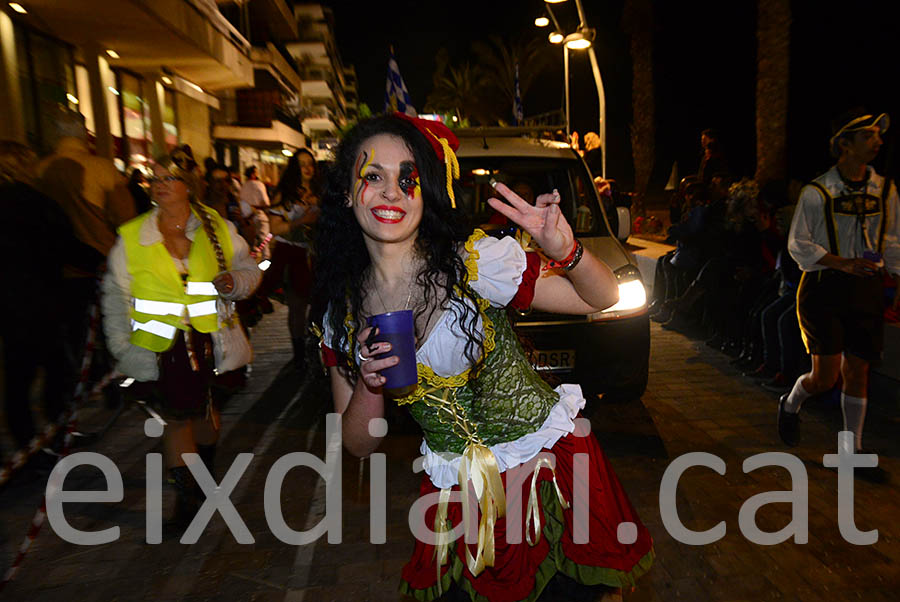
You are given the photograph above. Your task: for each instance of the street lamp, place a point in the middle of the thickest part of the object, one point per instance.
(542, 21)
(581, 40)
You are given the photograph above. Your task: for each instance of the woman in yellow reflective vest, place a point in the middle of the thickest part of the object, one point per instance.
(161, 292)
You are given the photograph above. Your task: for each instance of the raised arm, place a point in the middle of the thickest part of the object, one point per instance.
(588, 287)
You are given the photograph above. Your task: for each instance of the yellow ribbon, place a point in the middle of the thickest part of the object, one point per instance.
(532, 513)
(451, 164)
(442, 535)
(489, 491)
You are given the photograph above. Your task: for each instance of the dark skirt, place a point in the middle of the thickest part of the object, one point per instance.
(183, 388)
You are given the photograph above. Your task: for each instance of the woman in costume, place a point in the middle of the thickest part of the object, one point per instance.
(390, 239)
(294, 209)
(167, 277)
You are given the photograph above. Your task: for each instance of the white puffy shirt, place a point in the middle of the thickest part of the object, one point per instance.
(500, 266)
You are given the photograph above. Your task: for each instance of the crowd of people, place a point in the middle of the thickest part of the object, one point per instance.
(181, 254)
(794, 282)
(731, 279)
(73, 221)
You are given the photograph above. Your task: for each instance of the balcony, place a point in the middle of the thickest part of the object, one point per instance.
(316, 89)
(190, 37)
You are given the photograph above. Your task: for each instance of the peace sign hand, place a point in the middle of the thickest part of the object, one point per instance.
(544, 220)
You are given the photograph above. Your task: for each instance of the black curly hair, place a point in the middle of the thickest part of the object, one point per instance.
(342, 259)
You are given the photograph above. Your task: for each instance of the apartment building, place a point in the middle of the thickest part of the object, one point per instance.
(329, 96)
(138, 75)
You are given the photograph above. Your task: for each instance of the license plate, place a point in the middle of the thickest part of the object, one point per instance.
(553, 360)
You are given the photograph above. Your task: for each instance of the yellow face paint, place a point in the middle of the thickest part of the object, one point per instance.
(363, 162)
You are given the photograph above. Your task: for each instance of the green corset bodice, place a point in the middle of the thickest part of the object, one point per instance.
(504, 402)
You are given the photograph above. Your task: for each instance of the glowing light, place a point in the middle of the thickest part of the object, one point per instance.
(455, 119)
(554, 1)
(18, 8)
(542, 21)
(264, 264)
(167, 80)
(579, 44)
(631, 296)
(113, 90)
(287, 152)
(72, 99)
(556, 38)
(481, 172)
(112, 53)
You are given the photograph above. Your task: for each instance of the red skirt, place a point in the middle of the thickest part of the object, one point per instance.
(521, 571)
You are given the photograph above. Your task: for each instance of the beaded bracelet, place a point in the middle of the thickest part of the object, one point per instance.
(570, 261)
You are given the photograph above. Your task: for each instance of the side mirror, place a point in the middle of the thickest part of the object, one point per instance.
(624, 216)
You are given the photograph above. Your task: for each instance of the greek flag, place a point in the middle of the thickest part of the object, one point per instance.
(517, 103)
(396, 96)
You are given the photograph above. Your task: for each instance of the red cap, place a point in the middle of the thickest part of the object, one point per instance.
(433, 132)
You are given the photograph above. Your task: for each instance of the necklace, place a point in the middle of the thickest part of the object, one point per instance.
(384, 305)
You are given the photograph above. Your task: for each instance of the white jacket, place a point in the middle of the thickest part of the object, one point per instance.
(117, 301)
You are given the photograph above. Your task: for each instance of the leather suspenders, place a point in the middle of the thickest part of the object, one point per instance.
(833, 243)
(834, 249)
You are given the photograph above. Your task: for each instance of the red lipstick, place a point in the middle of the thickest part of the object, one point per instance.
(388, 214)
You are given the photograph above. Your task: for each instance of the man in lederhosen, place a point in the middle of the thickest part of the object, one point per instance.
(844, 234)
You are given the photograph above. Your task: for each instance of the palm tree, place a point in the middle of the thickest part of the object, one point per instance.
(773, 38)
(459, 90)
(637, 20)
(499, 58)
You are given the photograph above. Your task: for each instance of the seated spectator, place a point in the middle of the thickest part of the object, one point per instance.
(712, 159)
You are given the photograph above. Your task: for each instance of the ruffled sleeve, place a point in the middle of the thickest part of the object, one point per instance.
(495, 267)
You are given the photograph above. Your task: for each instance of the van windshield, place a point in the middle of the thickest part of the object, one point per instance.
(530, 177)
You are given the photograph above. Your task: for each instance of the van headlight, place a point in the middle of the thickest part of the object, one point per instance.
(632, 294)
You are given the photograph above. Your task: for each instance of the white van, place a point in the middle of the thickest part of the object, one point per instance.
(606, 352)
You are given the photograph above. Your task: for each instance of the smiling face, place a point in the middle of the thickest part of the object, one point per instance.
(166, 188)
(385, 192)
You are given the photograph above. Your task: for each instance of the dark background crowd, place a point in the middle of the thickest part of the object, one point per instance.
(730, 279)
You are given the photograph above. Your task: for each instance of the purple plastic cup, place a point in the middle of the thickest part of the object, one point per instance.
(398, 329)
(874, 257)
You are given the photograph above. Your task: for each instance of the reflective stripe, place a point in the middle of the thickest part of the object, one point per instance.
(201, 288)
(203, 308)
(158, 308)
(153, 327)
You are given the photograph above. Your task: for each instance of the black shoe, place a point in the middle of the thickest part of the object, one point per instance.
(788, 424)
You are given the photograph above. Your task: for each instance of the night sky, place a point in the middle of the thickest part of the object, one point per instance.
(705, 55)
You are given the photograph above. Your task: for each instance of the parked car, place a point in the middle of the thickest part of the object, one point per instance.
(606, 352)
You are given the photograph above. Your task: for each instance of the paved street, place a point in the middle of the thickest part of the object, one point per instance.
(695, 402)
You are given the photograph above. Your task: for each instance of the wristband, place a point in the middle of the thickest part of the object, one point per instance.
(570, 261)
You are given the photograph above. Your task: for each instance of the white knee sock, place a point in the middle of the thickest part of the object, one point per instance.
(854, 409)
(796, 397)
